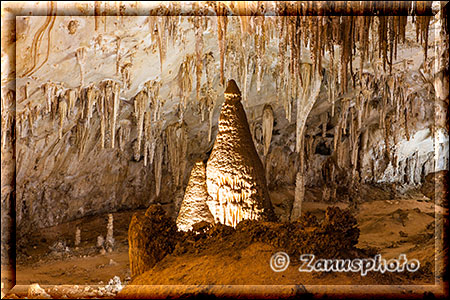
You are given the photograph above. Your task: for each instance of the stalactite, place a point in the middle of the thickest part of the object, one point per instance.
(82, 134)
(91, 95)
(80, 54)
(162, 42)
(267, 127)
(49, 91)
(210, 119)
(198, 32)
(96, 13)
(62, 116)
(406, 114)
(337, 136)
(183, 152)
(26, 122)
(158, 167)
(71, 96)
(355, 142)
(172, 143)
(324, 121)
(346, 51)
(32, 117)
(209, 69)
(154, 101)
(422, 25)
(102, 110)
(259, 38)
(147, 135)
(185, 79)
(333, 81)
(125, 70)
(305, 101)
(156, 131)
(140, 106)
(222, 37)
(124, 133)
(233, 56)
(281, 57)
(115, 111)
(118, 41)
(160, 103)
(176, 148)
(59, 92)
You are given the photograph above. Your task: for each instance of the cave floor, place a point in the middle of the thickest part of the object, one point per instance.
(391, 227)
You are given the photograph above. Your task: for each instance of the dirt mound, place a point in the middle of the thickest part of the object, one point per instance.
(334, 236)
(154, 235)
(150, 237)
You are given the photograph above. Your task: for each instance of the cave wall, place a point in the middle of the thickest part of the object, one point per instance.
(64, 173)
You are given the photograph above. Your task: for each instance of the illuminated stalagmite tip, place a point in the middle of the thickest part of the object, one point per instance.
(232, 89)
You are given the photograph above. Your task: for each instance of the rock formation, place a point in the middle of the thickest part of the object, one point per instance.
(110, 233)
(150, 237)
(77, 237)
(194, 208)
(234, 173)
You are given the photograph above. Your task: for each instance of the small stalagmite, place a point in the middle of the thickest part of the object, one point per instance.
(110, 233)
(234, 173)
(77, 237)
(194, 208)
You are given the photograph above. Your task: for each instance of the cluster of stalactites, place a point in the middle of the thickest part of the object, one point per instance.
(208, 94)
(66, 105)
(108, 107)
(147, 111)
(57, 103)
(163, 30)
(394, 110)
(340, 37)
(105, 99)
(296, 27)
(176, 139)
(321, 34)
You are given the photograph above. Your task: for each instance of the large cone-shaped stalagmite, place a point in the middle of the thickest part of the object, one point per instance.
(234, 172)
(194, 208)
